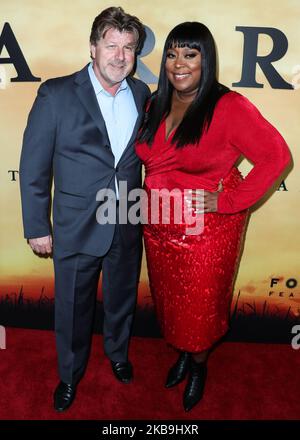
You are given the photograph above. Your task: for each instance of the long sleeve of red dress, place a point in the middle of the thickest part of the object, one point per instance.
(252, 136)
(237, 129)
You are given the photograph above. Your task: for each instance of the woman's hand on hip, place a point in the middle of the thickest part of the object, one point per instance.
(204, 201)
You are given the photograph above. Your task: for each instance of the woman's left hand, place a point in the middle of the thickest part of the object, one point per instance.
(206, 201)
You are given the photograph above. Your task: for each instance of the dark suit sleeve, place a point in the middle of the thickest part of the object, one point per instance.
(147, 96)
(36, 165)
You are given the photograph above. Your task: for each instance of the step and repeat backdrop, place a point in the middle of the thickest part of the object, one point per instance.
(258, 51)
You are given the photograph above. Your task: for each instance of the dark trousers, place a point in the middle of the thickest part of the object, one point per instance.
(76, 282)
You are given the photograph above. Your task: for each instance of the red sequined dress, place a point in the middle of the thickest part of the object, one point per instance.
(191, 275)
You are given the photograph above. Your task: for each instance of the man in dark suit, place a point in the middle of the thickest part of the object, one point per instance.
(81, 130)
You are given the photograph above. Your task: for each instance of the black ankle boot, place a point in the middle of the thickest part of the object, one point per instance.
(179, 370)
(195, 385)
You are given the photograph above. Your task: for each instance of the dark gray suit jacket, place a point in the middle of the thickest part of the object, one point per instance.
(66, 137)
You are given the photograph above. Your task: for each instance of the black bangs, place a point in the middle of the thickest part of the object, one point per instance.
(176, 43)
(198, 115)
(184, 35)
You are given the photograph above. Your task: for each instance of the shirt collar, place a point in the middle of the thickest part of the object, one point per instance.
(98, 86)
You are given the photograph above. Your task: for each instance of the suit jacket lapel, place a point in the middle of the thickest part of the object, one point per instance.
(86, 94)
(138, 99)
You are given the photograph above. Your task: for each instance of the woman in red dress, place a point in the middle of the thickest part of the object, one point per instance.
(195, 130)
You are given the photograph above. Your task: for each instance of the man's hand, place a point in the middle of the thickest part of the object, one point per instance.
(41, 245)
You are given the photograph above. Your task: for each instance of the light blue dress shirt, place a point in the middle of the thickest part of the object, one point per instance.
(119, 113)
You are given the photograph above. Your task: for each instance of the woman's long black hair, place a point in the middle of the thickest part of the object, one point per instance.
(199, 114)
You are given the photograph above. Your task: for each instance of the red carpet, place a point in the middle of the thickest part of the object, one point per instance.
(245, 381)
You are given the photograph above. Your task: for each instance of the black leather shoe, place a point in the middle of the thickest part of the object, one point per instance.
(195, 385)
(64, 396)
(122, 371)
(179, 370)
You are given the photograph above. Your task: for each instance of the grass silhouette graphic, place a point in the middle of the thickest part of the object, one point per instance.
(247, 323)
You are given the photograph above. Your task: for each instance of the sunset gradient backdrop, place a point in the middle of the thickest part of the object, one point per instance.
(54, 38)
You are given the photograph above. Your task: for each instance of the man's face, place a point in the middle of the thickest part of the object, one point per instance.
(113, 57)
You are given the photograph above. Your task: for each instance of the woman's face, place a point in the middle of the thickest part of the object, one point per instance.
(183, 68)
